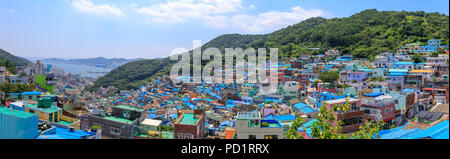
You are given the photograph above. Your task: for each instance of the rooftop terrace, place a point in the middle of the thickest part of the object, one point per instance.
(52, 108)
(249, 115)
(188, 119)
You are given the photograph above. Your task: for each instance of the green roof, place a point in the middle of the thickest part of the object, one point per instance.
(188, 119)
(117, 119)
(17, 113)
(128, 108)
(52, 109)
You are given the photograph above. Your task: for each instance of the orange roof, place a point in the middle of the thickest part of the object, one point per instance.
(229, 133)
(421, 71)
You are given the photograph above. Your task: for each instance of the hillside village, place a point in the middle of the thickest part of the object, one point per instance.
(407, 90)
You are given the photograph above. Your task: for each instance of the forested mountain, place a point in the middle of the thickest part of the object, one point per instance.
(367, 33)
(17, 61)
(96, 62)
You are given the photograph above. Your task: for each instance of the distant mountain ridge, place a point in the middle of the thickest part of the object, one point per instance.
(16, 60)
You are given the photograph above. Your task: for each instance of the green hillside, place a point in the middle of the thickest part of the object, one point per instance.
(17, 61)
(367, 33)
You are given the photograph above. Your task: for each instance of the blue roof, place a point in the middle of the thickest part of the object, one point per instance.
(438, 131)
(307, 126)
(398, 133)
(230, 105)
(397, 74)
(226, 123)
(281, 117)
(304, 108)
(398, 70)
(300, 105)
(404, 63)
(408, 90)
(61, 133)
(308, 110)
(32, 93)
(208, 99)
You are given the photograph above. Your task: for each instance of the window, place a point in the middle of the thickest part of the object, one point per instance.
(354, 106)
(251, 136)
(50, 117)
(56, 117)
(115, 131)
(386, 111)
(30, 97)
(185, 136)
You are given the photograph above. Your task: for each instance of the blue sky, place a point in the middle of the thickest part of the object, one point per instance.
(152, 28)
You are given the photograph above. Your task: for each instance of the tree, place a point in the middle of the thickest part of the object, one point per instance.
(329, 76)
(16, 88)
(434, 54)
(23, 74)
(417, 58)
(292, 132)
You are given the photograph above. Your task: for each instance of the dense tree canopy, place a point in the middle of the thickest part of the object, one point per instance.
(417, 58)
(329, 76)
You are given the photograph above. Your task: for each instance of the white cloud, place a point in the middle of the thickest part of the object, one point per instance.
(183, 10)
(223, 13)
(88, 6)
(272, 20)
(12, 11)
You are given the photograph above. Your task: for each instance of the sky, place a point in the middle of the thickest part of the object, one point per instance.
(153, 28)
